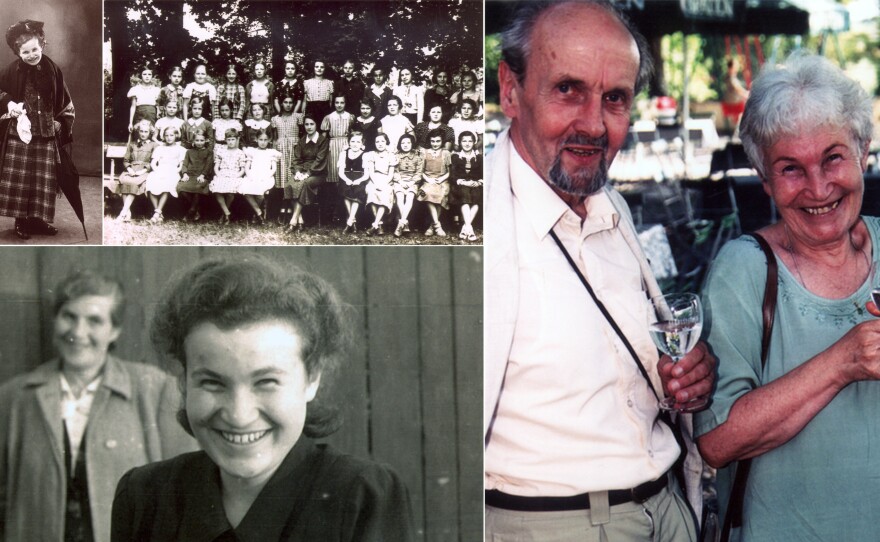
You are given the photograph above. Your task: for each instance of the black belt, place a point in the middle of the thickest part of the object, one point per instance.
(638, 494)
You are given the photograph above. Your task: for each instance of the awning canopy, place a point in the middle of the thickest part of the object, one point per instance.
(707, 17)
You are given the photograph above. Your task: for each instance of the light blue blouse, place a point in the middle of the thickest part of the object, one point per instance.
(824, 484)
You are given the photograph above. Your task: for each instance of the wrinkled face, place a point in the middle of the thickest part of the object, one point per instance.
(83, 331)
(436, 142)
(196, 110)
(405, 144)
(246, 395)
(225, 111)
(263, 141)
(170, 136)
(393, 107)
(348, 69)
(289, 70)
(231, 75)
(176, 77)
(356, 142)
(339, 104)
(201, 74)
(31, 52)
(405, 77)
(467, 143)
(319, 69)
(310, 126)
(171, 109)
(366, 111)
(287, 104)
(466, 111)
(144, 132)
(815, 179)
(259, 71)
(147, 76)
(381, 144)
(257, 111)
(442, 78)
(571, 114)
(435, 114)
(199, 141)
(378, 77)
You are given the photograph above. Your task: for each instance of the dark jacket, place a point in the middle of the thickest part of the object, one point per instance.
(316, 494)
(12, 81)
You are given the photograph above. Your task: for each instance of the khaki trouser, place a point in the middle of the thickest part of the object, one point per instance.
(665, 517)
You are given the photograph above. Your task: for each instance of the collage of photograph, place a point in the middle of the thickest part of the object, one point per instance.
(439, 270)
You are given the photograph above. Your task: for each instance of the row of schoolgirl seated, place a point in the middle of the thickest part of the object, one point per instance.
(379, 179)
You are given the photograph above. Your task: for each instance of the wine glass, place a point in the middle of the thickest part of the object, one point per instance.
(675, 322)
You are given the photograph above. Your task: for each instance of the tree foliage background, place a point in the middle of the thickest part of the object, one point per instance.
(421, 34)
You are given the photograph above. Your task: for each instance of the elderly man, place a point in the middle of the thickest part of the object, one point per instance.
(576, 447)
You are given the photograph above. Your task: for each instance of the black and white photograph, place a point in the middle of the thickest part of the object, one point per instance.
(50, 123)
(298, 122)
(269, 393)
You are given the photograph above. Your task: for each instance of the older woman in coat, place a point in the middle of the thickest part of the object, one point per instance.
(73, 426)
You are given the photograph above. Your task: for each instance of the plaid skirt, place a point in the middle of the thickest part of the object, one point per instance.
(28, 178)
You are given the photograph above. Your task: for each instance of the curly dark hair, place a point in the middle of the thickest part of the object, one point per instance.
(229, 293)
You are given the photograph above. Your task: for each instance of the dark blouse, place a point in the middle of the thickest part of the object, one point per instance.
(317, 494)
(422, 130)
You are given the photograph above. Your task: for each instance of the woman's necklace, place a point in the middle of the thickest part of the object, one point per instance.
(794, 258)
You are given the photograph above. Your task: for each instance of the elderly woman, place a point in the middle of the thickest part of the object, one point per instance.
(32, 86)
(255, 340)
(72, 427)
(810, 417)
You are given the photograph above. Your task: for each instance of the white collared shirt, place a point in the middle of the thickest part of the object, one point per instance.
(574, 414)
(75, 412)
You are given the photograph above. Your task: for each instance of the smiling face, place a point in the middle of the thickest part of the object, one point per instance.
(405, 77)
(231, 75)
(246, 395)
(436, 142)
(571, 114)
(366, 111)
(466, 111)
(467, 81)
(442, 78)
(815, 179)
(257, 111)
(31, 52)
(467, 143)
(83, 331)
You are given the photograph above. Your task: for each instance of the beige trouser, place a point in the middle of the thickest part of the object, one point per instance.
(665, 517)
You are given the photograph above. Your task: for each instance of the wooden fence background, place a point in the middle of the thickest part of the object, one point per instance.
(411, 392)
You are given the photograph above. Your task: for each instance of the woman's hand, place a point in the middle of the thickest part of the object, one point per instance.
(858, 352)
(15, 110)
(692, 377)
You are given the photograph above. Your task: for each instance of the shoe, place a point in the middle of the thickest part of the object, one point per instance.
(439, 230)
(354, 229)
(289, 228)
(471, 236)
(21, 229)
(463, 234)
(373, 231)
(157, 217)
(398, 231)
(124, 216)
(196, 217)
(430, 231)
(225, 220)
(38, 226)
(406, 227)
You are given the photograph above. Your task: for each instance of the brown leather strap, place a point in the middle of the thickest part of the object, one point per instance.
(734, 515)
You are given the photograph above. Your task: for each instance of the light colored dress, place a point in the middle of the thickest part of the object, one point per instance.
(394, 127)
(228, 163)
(408, 173)
(165, 175)
(220, 126)
(823, 483)
(477, 127)
(204, 90)
(436, 164)
(336, 125)
(379, 189)
(286, 135)
(257, 179)
(166, 122)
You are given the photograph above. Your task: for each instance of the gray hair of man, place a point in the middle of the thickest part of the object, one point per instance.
(804, 93)
(516, 38)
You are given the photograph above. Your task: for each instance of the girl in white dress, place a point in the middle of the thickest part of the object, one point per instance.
(165, 171)
(260, 175)
(380, 196)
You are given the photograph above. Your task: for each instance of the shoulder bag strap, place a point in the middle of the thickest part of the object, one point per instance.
(734, 515)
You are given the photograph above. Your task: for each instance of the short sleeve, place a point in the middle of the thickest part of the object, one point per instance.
(732, 302)
(188, 91)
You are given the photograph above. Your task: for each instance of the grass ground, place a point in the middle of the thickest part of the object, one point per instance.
(176, 232)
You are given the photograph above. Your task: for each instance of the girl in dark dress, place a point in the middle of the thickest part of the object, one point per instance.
(354, 176)
(254, 339)
(466, 175)
(367, 124)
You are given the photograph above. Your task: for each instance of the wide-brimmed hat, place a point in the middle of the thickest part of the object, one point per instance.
(21, 28)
